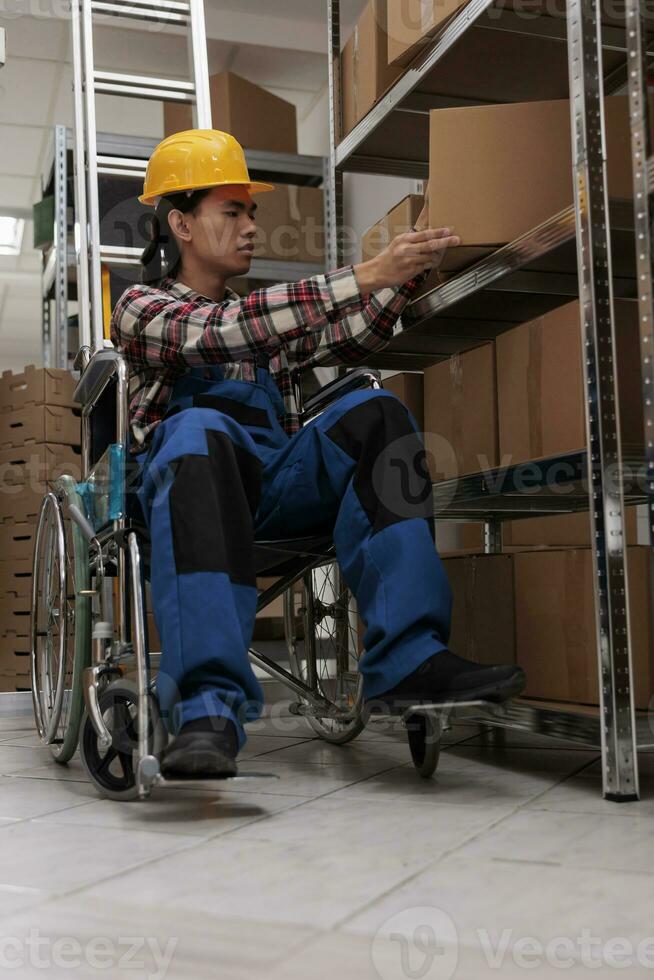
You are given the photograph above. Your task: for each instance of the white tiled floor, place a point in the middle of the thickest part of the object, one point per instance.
(348, 865)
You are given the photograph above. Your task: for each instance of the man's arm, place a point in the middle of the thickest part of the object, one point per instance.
(155, 328)
(352, 336)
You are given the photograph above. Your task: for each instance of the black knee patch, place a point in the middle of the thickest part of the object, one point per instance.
(391, 478)
(213, 500)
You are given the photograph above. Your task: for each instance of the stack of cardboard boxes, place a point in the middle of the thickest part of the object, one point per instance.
(39, 440)
(290, 219)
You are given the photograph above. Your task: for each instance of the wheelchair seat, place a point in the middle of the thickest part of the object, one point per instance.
(279, 557)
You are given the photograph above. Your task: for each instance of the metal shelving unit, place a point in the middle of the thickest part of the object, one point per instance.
(126, 158)
(586, 251)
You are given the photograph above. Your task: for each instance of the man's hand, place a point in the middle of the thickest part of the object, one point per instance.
(407, 256)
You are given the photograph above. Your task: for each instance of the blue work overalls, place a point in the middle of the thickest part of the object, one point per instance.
(221, 471)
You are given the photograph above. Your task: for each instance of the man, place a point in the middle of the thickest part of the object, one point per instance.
(223, 457)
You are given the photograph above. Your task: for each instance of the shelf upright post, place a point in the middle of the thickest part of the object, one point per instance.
(61, 249)
(334, 176)
(79, 157)
(46, 331)
(618, 729)
(643, 175)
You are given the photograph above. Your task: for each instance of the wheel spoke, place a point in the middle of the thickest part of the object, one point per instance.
(105, 762)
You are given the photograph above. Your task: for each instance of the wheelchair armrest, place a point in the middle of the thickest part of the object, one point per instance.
(104, 364)
(361, 377)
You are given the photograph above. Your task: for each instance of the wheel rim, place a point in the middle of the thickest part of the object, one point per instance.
(113, 768)
(327, 657)
(49, 619)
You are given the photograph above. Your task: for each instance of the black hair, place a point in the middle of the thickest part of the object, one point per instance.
(162, 237)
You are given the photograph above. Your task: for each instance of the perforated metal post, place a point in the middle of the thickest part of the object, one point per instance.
(619, 770)
(61, 249)
(334, 176)
(643, 174)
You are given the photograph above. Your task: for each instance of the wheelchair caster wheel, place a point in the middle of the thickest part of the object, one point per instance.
(113, 770)
(424, 733)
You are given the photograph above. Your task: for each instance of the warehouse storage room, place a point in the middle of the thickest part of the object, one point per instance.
(326, 489)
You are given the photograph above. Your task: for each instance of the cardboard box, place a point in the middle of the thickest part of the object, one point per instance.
(483, 627)
(398, 221)
(40, 423)
(291, 224)
(27, 471)
(16, 577)
(412, 23)
(540, 386)
(14, 655)
(497, 171)
(555, 624)
(15, 682)
(15, 615)
(365, 71)
(461, 413)
(258, 119)
(36, 386)
(17, 540)
(410, 389)
(36, 465)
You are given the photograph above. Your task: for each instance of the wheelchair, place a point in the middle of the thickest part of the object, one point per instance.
(92, 671)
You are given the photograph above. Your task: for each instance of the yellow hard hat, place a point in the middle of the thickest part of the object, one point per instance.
(195, 159)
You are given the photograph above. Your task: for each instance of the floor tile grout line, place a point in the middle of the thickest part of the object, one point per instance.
(448, 852)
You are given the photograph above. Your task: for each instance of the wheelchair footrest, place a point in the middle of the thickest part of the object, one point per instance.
(203, 780)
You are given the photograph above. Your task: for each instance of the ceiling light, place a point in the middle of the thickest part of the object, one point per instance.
(11, 235)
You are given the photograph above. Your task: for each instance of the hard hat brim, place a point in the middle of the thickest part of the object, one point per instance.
(253, 186)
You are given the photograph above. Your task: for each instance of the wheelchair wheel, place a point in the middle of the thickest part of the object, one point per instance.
(424, 733)
(112, 770)
(60, 621)
(327, 657)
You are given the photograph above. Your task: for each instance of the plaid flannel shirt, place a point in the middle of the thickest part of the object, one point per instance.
(164, 330)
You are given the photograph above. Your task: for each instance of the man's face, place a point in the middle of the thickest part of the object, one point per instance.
(222, 230)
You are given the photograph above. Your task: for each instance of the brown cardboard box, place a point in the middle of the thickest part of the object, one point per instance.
(15, 682)
(17, 539)
(291, 224)
(16, 577)
(555, 624)
(411, 23)
(269, 622)
(14, 655)
(258, 119)
(540, 384)
(25, 472)
(20, 503)
(15, 614)
(461, 408)
(366, 73)
(398, 221)
(409, 388)
(36, 386)
(487, 166)
(40, 423)
(483, 627)
(34, 465)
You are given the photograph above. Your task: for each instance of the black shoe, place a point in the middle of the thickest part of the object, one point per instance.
(203, 749)
(447, 677)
